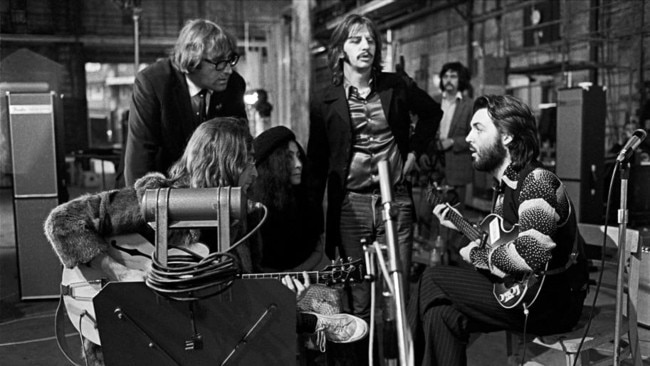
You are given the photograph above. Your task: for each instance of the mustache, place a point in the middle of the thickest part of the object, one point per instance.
(346, 58)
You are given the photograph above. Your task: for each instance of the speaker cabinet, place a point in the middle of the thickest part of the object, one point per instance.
(36, 193)
(580, 149)
(39, 269)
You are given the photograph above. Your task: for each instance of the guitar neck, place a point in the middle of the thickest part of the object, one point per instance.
(464, 226)
(314, 276)
(457, 219)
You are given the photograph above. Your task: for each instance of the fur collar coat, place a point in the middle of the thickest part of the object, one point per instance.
(78, 229)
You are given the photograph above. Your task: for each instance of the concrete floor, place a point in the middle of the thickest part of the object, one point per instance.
(27, 327)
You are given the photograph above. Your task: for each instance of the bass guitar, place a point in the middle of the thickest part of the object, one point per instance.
(491, 233)
(80, 284)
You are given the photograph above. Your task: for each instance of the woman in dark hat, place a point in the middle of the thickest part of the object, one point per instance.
(290, 236)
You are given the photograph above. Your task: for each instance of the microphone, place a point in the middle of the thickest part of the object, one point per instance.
(634, 142)
(199, 204)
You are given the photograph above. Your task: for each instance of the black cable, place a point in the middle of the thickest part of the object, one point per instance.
(602, 267)
(188, 278)
(259, 225)
(526, 312)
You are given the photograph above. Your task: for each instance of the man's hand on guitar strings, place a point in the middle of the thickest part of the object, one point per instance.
(467, 249)
(441, 211)
(295, 285)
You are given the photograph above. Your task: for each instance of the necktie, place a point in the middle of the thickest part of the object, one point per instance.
(201, 111)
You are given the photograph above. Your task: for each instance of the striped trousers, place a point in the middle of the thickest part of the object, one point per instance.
(449, 303)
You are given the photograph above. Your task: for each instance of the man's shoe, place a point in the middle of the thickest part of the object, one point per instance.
(341, 328)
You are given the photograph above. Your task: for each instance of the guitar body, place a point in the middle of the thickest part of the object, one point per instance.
(508, 291)
(80, 284)
(497, 234)
(491, 232)
(84, 283)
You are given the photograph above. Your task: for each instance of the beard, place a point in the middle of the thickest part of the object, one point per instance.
(491, 158)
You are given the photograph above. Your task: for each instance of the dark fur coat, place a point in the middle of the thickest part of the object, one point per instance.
(77, 229)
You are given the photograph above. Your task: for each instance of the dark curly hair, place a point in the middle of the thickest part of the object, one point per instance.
(513, 117)
(464, 76)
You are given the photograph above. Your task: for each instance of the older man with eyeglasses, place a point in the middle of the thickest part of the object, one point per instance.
(174, 95)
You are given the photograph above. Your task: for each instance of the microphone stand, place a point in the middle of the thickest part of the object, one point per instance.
(388, 214)
(622, 230)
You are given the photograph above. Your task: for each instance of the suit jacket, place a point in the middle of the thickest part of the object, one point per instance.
(458, 159)
(161, 120)
(329, 148)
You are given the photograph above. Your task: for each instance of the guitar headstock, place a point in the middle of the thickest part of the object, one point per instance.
(339, 272)
(437, 194)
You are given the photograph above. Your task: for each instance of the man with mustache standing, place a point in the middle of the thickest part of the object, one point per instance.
(451, 151)
(451, 302)
(362, 118)
(174, 95)
(450, 141)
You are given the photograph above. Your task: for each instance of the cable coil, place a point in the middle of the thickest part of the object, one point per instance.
(192, 277)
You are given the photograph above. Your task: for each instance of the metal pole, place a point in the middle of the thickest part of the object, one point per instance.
(136, 37)
(622, 227)
(394, 262)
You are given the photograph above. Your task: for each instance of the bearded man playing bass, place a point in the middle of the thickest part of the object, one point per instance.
(528, 271)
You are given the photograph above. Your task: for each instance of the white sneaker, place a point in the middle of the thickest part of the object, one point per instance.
(339, 328)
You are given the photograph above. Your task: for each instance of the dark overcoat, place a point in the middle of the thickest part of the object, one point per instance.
(161, 120)
(329, 149)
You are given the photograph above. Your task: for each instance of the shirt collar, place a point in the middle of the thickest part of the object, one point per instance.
(459, 95)
(347, 85)
(510, 177)
(193, 88)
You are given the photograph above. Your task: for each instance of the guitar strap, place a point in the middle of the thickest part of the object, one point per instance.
(61, 339)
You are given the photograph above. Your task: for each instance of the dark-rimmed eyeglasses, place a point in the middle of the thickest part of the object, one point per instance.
(220, 65)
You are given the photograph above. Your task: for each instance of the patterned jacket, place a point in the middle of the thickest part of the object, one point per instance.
(547, 228)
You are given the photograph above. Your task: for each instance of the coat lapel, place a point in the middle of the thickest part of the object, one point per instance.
(459, 112)
(184, 105)
(335, 95)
